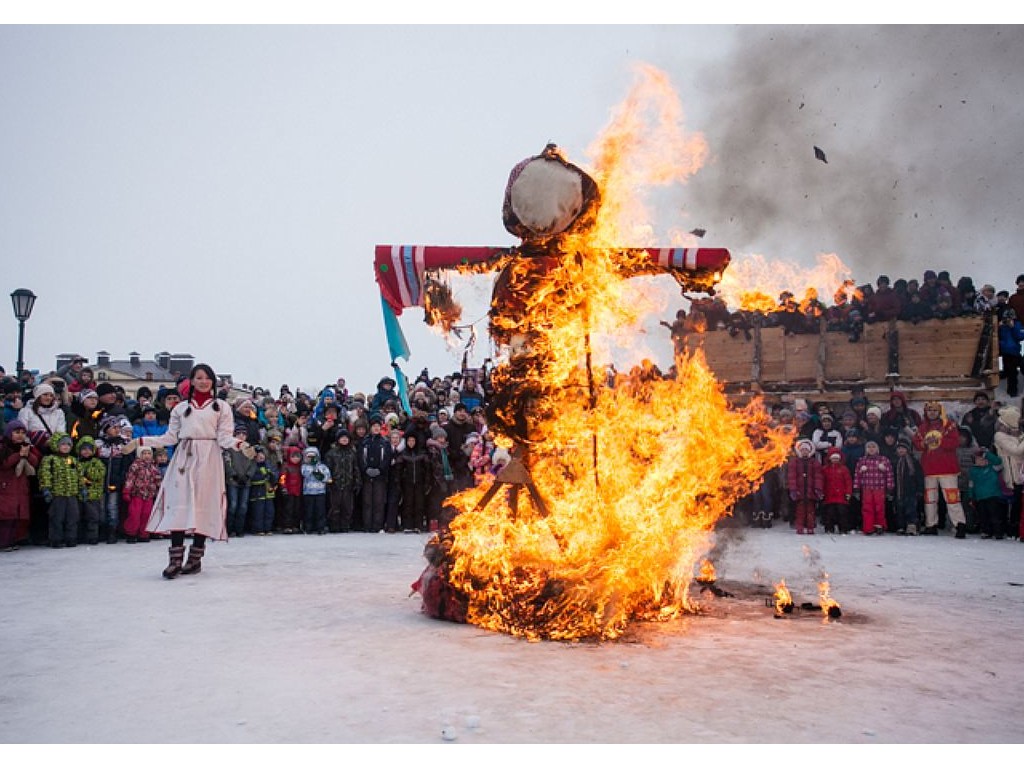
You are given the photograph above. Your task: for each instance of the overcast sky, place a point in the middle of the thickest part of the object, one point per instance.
(219, 190)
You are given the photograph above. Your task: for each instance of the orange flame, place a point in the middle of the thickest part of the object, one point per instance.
(783, 599)
(633, 477)
(756, 284)
(706, 575)
(829, 607)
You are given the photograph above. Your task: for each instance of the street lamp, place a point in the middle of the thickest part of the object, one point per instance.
(23, 301)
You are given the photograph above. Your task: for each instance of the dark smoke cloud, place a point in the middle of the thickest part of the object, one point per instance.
(923, 129)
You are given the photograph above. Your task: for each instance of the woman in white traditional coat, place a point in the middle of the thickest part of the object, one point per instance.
(192, 497)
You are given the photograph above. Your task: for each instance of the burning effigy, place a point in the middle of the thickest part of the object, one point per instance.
(614, 489)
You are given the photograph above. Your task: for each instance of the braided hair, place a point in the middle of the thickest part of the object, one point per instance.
(192, 389)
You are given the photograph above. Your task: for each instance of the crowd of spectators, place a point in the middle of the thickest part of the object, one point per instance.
(336, 461)
(341, 461)
(853, 306)
(885, 467)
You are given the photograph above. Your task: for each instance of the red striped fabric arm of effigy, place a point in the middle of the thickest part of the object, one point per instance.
(695, 269)
(400, 270)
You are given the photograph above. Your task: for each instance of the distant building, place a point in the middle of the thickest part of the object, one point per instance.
(131, 374)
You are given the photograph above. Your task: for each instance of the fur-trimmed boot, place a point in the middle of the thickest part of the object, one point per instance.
(195, 560)
(177, 554)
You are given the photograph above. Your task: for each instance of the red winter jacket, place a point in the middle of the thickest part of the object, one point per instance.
(804, 479)
(940, 459)
(291, 474)
(838, 482)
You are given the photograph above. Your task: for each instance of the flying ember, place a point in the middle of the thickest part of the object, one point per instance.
(612, 496)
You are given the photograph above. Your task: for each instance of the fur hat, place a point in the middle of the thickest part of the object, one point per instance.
(1009, 416)
(904, 443)
(805, 442)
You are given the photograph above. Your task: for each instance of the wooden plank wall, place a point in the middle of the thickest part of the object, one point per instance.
(928, 352)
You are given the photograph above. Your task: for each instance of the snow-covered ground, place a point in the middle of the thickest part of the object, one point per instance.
(315, 640)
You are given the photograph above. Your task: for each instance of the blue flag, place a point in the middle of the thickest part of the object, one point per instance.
(398, 348)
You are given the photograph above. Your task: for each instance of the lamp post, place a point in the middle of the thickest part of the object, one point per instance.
(23, 301)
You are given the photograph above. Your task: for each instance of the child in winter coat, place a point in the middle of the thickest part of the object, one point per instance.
(141, 483)
(341, 460)
(873, 481)
(315, 478)
(442, 476)
(835, 508)
(113, 431)
(987, 492)
(414, 476)
(291, 490)
(806, 485)
(92, 474)
(908, 488)
(59, 483)
(261, 494)
(239, 470)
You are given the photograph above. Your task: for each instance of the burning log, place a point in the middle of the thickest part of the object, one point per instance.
(829, 607)
(783, 600)
(707, 578)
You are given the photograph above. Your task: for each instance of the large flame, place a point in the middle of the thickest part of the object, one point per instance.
(755, 283)
(633, 477)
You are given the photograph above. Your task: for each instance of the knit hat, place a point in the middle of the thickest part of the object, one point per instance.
(144, 448)
(392, 419)
(108, 421)
(11, 426)
(86, 394)
(240, 427)
(144, 392)
(1009, 416)
(874, 409)
(243, 403)
(43, 389)
(904, 442)
(105, 388)
(834, 453)
(437, 431)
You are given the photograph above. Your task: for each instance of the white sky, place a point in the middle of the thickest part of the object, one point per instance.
(219, 190)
